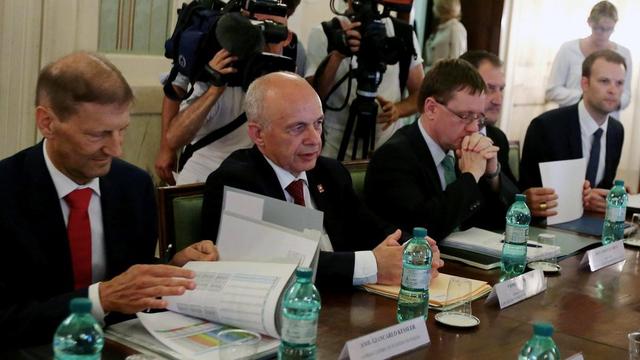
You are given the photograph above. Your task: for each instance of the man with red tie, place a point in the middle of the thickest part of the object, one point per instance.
(75, 221)
(285, 122)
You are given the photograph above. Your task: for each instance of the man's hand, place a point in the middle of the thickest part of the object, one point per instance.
(472, 162)
(140, 287)
(389, 259)
(390, 113)
(353, 36)
(222, 62)
(166, 160)
(541, 201)
(200, 251)
(436, 261)
(596, 200)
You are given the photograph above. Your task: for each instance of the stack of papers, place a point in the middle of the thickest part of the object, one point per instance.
(490, 243)
(437, 291)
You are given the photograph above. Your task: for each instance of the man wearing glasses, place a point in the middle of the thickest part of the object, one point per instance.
(440, 172)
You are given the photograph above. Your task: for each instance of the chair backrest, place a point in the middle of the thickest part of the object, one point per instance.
(179, 212)
(357, 169)
(514, 158)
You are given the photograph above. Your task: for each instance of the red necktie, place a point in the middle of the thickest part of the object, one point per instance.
(295, 189)
(79, 234)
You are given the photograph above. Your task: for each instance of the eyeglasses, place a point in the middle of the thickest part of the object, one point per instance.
(602, 29)
(466, 118)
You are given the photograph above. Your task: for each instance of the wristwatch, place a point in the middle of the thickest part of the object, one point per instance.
(494, 174)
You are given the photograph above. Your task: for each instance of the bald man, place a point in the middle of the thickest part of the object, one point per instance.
(285, 122)
(75, 220)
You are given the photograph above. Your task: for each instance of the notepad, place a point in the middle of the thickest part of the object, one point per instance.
(490, 243)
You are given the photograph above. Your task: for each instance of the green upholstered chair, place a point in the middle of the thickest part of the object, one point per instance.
(179, 215)
(357, 169)
(514, 158)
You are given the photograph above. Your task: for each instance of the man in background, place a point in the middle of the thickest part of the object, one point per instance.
(584, 130)
(490, 68)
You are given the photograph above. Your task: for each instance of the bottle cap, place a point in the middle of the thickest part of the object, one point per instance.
(618, 182)
(80, 305)
(419, 232)
(543, 329)
(521, 197)
(304, 273)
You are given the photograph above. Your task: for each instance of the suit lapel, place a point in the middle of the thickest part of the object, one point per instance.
(47, 220)
(269, 179)
(423, 154)
(112, 213)
(575, 135)
(317, 189)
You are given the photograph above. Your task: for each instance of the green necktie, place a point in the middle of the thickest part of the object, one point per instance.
(448, 163)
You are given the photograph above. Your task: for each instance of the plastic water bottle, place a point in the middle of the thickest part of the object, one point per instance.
(413, 300)
(79, 337)
(300, 311)
(541, 346)
(613, 228)
(514, 250)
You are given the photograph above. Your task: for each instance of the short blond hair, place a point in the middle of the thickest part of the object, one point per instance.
(446, 9)
(603, 9)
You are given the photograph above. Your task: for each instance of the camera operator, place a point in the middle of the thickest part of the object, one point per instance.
(336, 64)
(210, 108)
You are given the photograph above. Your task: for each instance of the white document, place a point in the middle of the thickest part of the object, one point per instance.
(566, 177)
(490, 243)
(241, 294)
(518, 288)
(387, 342)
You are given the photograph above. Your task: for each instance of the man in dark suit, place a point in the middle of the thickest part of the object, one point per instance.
(414, 178)
(285, 122)
(489, 67)
(74, 220)
(576, 131)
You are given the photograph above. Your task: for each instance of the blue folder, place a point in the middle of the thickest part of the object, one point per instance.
(590, 225)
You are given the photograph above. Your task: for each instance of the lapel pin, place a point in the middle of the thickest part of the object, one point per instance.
(320, 188)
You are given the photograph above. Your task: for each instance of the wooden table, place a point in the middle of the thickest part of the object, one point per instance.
(591, 313)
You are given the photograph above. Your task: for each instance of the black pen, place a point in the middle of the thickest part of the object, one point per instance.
(166, 257)
(529, 245)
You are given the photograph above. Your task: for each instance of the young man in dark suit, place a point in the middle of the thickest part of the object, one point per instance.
(581, 130)
(285, 122)
(490, 68)
(74, 219)
(440, 172)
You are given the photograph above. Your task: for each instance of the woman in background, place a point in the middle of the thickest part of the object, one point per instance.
(450, 39)
(564, 81)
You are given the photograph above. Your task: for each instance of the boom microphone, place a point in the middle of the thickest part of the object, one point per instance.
(236, 34)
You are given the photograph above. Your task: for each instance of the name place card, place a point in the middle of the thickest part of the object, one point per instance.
(518, 288)
(387, 342)
(604, 256)
(577, 356)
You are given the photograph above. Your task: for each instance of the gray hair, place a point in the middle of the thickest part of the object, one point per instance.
(255, 98)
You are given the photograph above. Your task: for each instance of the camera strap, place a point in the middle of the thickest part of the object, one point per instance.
(211, 137)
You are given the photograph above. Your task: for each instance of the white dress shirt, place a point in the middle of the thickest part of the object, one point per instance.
(436, 153)
(64, 186)
(587, 127)
(365, 269)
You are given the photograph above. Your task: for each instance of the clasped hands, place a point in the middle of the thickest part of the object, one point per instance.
(142, 286)
(477, 155)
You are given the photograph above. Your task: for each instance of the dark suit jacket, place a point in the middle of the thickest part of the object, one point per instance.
(402, 186)
(555, 135)
(500, 140)
(350, 226)
(36, 277)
